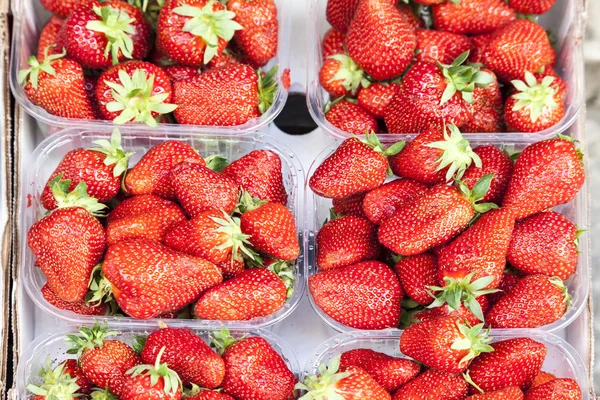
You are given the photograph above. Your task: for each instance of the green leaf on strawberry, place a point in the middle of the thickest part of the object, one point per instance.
(117, 27)
(114, 152)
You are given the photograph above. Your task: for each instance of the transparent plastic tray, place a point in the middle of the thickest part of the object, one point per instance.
(565, 20)
(29, 19)
(49, 153)
(34, 356)
(577, 211)
(561, 359)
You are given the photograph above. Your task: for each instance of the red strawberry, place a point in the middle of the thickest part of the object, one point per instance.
(433, 385)
(258, 36)
(363, 296)
(557, 389)
(520, 46)
(186, 354)
(63, 8)
(339, 13)
(151, 174)
(339, 76)
(49, 37)
(78, 307)
(509, 281)
(493, 161)
(350, 117)
(231, 269)
(351, 205)
(531, 7)
(59, 381)
(152, 382)
(509, 393)
(380, 40)
(380, 203)
(487, 108)
(535, 301)
(472, 17)
(259, 173)
(416, 274)
(72, 368)
(90, 83)
(479, 43)
(541, 378)
(514, 362)
(181, 72)
(333, 43)
(439, 46)
(203, 394)
(546, 174)
(98, 35)
(411, 17)
(354, 167)
(558, 83)
(223, 60)
(461, 311)
(428, 2)
(376, 97)
(390, 372)
(177, 279)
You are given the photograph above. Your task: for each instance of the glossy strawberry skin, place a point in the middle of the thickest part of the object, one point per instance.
(376, 97)
(439, 46)
(351, 205)
(339, 13)
(508, 282)
(210, 395)
(472, 17)
(487, 108)
(562, 388)
(416, 273)
(531, 7)
(333, 43)
(433, 385)
(509, 393)
(407, 12)
(141, 387)
(541, 378)
(343, 294)
(359, 385)
(72, 368)
(181, 72)
(520, 120)
(78, 307)
(49, 37)
(381, 203)
(479, 43)
(259, 37)
(493, 161)
(327, 73)
(63, 8)
(351, 118)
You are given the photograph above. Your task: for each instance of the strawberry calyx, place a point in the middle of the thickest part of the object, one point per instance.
(216, 162)
(567, 298)
(171, 380)
(117, 27)
(351, 75)
(139, 342)
(57, 384)
(285, 271)
(221, 340)
(323, 384)
(78, 197)
(476, 194)
(99, 394)
(248, 203)
(32, 73)
(237, 241)
(469, 380)
(373, 141)
(463, 78)
(573, 141)
(474, 339)
(88, 338)
(209, 24)
(100, 290)
(114, 152)
(195, 390)
(533, 96)
(457, 153)
(267, 88)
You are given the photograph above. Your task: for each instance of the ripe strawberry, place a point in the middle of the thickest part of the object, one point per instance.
(535, 301)
(339, 13)
(435, 156)
(541, 378)
(445, 343)
(439, 46)
(351, 205)
(49, 37)
(390, 372)
(380, 40)
(380, 203)
(514, 362)
(433, 218)
(363, 296)
(151, 174)
(177, 279)
(253, 369)
(350, 117)
(546, 174)
(181, 72)
(472, 17)
(258, 36)
(152, 382)
(203, 394)
(340, 76)
(509, 281)
(200, 189)
(517, 47)
(62, 8)
(531, 7)
(493, 161)
(478, 45)
(487, 108)
(259, 173)
(59, 382)
(333, 43)
(416, 274)
(411, 17)
(559, 389)
(558, 83)
(78, 307)
(461, 311)
(72, 368)
(104, 362)
(433, 385)
(186, 354)
(509, 393)
(98, 35)
(225, 59)
(376, 97)
(354, 167)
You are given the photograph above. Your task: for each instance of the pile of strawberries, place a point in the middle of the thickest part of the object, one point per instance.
(460, 364)
(167, 364)
(186, 61)
(459, 231)
(173, 231)
(481, 65)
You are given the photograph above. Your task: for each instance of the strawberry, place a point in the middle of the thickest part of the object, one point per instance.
(517, 47)
(63, 8)
(411, 17)
(199, 189)
(58, 383)
(558, 83)
(339, 76)
(435, 156)
(531, 7)
(461, 311)
(49, 37)
(537, 104)
(99, 394)
(98, 35)
(363, 296)
(472, 17)
(339, 13)
(256, 292)
(186, 354)
(380, 203)
(433, 385)
(258, 36)
(350, 117)
(433, 218)
(558, 389)
(228, 96)
(536, 300)
(478, 45)
(380, 40)
(103, 362)
(493, 161)
(445, 343)
(203, 394)
(439, 46)
(351, 205)
(134, 91)
(514, 362)
(231, 269)
(509, 393)
(151, 174)
(152, 382)
(100, 168)
(72, 368)
(225, 59)
(354, 167)
(177, 279)
(541, 378)
(78, 307)
(333, 43)
(376, 97)
(390, 372)
(509, 281)
(546, 174)
(487, 108)
(434, 95)
(416, 274)
(181, 72)
(253, 369)
(143, 217)
(259, 173)
(545, 243)
(57, 85)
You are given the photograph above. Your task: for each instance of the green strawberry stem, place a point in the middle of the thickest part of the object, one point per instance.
(351, 75)
(88, 338)
(285, 271)
(216, 162)
(172, 382)
(372, 140)
(457, 153)
(221, 340)
(567, 298)
(267, 88)
(571, 140)
(462, 78)
(77, 197)
(117, 27)
(533, 96)
(135, 100)
(468, 379)
(114, 152)
(333, 215)
(477, 193)
(139, 342)
(237, 241)
(32, 73)
(56, 383)
(100, 291)
(210, 25)
(248, 203)
(322, 385)
(474, 339)
(151, 10)
(195, 390)
(99, 394)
